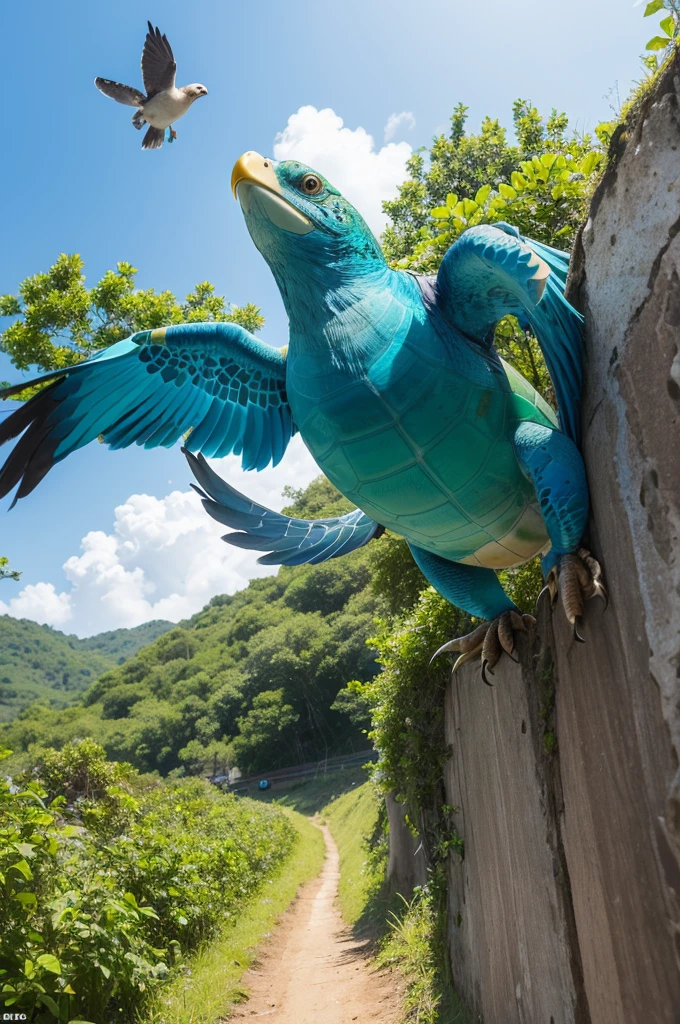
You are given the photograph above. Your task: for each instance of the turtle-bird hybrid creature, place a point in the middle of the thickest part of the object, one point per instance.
(395, 386)
(163, 103)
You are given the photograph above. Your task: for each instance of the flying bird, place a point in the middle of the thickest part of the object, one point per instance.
(393, 382)
(163, 103)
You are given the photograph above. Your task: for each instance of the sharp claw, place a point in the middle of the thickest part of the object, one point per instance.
(599, 591)
(450, 646)
(484, 679)
(464, 658)
(577, 636)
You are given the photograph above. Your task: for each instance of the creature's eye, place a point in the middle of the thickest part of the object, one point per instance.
(310, 185)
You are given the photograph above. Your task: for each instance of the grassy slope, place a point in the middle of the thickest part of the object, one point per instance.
(310, 796)
(41, 663)
(352, 818)
(215, 984)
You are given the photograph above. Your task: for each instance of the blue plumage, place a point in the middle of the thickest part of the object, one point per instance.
(394, 384)
(286, 541)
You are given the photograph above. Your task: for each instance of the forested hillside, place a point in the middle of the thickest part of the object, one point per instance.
(252, 679)
(38, 663)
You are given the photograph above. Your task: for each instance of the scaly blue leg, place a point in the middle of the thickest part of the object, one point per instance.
(554, 465)
(477, 591)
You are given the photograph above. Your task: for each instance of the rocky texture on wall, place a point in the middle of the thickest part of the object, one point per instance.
(566, 906)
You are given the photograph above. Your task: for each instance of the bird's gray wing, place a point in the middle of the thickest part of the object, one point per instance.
(158, 63)
(121, 93)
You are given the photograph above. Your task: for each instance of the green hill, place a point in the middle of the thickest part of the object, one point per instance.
(252, 679)
(38, 663)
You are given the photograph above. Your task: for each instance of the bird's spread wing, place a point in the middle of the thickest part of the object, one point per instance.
(215, 380)
(121, 93)
(158, 63)
(286, 541)
(492, 272)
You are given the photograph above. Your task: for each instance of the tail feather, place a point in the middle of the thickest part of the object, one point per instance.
(153, 138)
(125, 94)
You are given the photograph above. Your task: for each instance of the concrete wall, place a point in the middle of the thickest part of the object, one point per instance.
(566, 905)
(406, 865)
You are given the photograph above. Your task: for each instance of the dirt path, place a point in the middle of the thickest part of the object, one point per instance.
(313, 971)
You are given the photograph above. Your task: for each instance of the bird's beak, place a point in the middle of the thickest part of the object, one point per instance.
(253, 171)
(254, 168)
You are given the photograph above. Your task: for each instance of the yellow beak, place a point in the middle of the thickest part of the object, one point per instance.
(254, 168)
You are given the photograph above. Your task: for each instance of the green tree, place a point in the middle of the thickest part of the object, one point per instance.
(541, 184)
(6, 573)
(58, 320)
(265, 733)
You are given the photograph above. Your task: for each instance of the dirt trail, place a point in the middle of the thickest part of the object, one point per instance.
(312, 970)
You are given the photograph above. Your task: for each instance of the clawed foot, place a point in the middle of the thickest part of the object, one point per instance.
(576, 578)
(489, 640)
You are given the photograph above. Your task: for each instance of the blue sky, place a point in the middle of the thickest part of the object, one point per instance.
(74, 179)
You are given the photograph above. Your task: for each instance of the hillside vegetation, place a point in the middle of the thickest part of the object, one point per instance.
(252, 679)
(109, 880)
(38, 663)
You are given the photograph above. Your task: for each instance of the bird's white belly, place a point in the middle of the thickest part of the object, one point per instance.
(165, 107)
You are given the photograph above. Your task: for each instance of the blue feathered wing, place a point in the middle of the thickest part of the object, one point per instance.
(490, 272)
(213, 379)
(285, 541)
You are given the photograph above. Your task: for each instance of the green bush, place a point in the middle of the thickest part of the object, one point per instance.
(107, 884)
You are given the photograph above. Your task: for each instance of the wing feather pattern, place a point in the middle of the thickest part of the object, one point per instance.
(214, 380)
(284, 541)
(491, 272)
(158, 62)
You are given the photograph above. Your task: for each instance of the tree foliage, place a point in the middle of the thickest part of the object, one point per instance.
(59, 321)
(251, 680)
(540, 184)
(43, 664)
(108, 881)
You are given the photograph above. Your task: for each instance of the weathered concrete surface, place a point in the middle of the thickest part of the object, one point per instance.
(618, 698)
(512, 939)
(406, 865)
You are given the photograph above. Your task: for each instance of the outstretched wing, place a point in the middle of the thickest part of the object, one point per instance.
(125, 94)
(491, 272)
(215, 380)
(158, 63)
(287, 541)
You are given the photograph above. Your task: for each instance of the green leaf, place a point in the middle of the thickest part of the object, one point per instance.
(22, 867)
(29, 968)
(27, 898)
(25, 849)
(668, 26)
(590, 162)
(50, 963)
(657, 43)
(441, 212)
(483, 194)
(49, 1002)
(105, 971)
(507, 191)
(451, 199)
(652, 7)
(519, 182)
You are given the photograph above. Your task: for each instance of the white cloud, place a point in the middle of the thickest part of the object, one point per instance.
(347, 157)
(394, 121)
(164, 558)
(40, 602)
